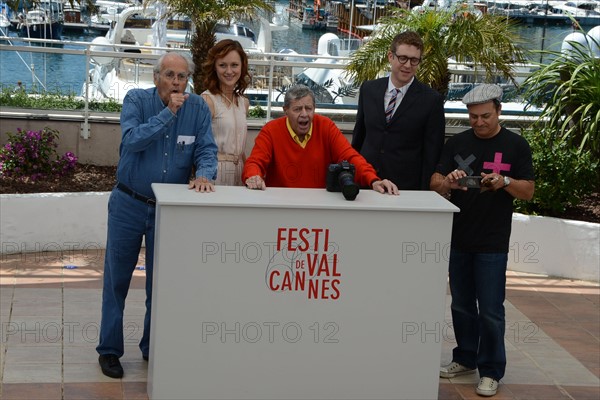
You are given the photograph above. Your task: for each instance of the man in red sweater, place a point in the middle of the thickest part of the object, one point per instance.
(296, 150)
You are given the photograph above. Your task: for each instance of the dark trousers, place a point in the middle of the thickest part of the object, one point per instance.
(478, 288)
(129, 221)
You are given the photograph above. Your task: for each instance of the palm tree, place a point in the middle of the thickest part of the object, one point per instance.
(568, 89)
(205, 14)
(485, 40)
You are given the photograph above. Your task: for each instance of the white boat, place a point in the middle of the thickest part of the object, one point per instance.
(44, 21)
(4, 22)
(107, 10)
(72, 12)
(4, 18)
(138, 30)
(552, 12)
(513, 8)
(331, 84)
(429, 5)
(332, 23)
(510, 107)
(585, 12)
(314, 19)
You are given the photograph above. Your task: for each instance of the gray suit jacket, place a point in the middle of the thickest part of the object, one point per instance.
(407, 149)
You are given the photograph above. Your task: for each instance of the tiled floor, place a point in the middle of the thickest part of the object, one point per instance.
(50, 311)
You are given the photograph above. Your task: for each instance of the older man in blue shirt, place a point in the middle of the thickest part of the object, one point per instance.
(165, 132)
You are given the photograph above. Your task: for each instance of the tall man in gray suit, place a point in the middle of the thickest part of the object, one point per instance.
(400, 122)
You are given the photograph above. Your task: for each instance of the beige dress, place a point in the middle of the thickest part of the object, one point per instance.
(229, 127)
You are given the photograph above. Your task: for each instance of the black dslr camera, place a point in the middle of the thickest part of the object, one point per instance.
(340, 178)
(471, 182)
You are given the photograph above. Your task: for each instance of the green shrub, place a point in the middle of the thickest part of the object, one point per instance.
(9, 97)
(257, 112)
(563, 174)
(14, 98)
(105, 106)
(31, 155)
(568, 89)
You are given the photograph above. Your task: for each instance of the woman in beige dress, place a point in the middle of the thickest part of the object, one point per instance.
(226, 78)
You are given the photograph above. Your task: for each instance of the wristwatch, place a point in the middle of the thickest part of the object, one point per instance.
(506, 181)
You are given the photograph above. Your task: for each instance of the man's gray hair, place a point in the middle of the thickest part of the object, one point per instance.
(184, 56)
(297, 92)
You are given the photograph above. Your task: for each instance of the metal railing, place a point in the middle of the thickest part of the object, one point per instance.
(271, 74)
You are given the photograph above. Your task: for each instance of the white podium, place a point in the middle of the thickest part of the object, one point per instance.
(298, 294)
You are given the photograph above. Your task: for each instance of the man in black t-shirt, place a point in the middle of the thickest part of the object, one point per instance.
(481, 232)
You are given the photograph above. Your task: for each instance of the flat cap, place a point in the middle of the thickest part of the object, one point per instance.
(482, 94)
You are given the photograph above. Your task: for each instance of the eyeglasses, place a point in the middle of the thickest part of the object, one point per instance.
(180, 76)
(414, 61)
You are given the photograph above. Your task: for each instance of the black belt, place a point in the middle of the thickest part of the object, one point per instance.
(125, 189)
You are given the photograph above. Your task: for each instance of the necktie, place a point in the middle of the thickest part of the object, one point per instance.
(389, 111)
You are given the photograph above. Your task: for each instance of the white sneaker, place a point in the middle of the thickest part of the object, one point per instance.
(487, 387)
(455, 369)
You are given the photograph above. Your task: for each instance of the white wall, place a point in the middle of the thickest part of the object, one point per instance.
(555, 247)
(52, 222)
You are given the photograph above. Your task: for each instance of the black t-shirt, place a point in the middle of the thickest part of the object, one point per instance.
(484, 222)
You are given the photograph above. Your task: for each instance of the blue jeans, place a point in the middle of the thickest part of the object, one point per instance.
(478, 285)
(129, 220)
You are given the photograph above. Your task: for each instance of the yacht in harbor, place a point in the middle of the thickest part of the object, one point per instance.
(124, 59)
(585, 12)
(327, 77)
(313, 18)
(135, 30)
(319, 19)
(5, 13)
(553, 12)
(133, 34)
(109, 9)
(138, 30)
(4, 22)
(44, 21)
(72, 13)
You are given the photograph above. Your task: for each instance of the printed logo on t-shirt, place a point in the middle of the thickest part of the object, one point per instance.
(497, 166)
(464, 164)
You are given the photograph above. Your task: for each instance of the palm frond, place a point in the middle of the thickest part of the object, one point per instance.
(569, 88)
(205, 14)
(488, 41)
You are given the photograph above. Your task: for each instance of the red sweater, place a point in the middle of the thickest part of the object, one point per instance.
(284, 163)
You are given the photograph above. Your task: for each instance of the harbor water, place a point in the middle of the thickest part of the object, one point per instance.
(66, 73)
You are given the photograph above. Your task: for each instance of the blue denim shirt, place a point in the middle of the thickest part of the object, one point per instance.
(160, 147)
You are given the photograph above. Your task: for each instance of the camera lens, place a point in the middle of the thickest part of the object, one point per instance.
(349, 188)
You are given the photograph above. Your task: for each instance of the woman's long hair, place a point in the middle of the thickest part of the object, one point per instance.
(220, 50)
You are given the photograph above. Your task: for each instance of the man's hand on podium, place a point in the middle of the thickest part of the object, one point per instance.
(385, 186)
(256, 182)
(202, 184)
